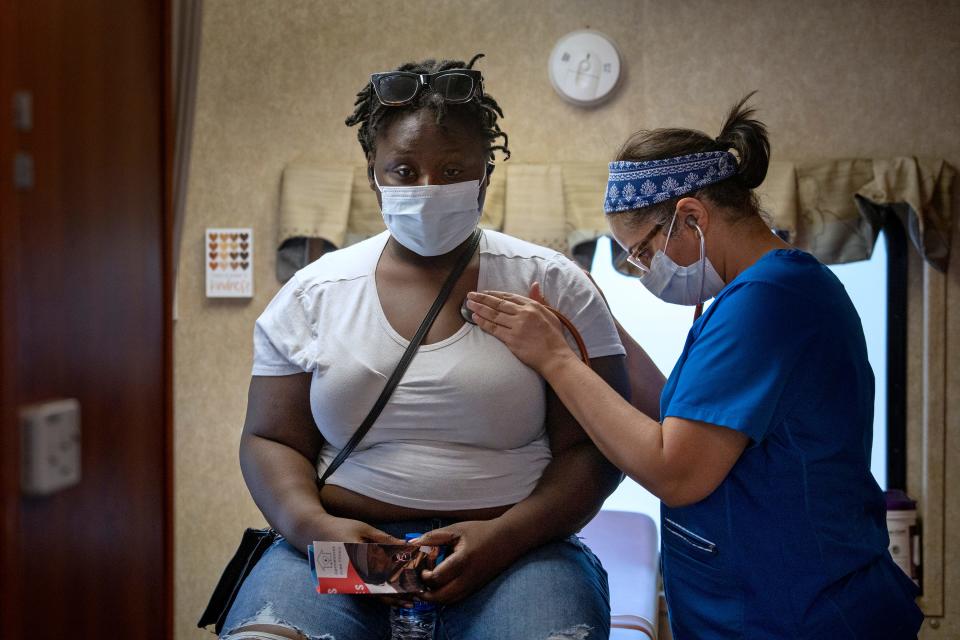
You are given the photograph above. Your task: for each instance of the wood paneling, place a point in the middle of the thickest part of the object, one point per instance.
(87, 303)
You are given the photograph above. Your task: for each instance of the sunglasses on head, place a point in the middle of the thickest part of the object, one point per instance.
(456, 86)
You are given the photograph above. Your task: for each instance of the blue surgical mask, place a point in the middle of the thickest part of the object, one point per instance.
(431, 220)
(688, 285)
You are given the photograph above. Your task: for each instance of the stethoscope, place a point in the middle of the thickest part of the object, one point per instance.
(564, 320)
(467, 315)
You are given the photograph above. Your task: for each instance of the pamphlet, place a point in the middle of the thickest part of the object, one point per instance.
(361, 568)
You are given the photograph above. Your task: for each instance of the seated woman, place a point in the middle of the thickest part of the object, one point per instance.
(472, 444)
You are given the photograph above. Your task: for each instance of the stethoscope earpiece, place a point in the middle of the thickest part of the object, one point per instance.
(692, 223)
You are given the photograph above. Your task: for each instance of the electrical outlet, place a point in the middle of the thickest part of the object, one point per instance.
(23, 111)
(50, 436)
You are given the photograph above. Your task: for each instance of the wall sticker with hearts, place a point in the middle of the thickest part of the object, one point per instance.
(229, 260)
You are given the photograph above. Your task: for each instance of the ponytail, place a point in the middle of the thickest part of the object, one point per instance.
(747, 137)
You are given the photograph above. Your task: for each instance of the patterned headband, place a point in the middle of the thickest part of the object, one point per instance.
(633, 185)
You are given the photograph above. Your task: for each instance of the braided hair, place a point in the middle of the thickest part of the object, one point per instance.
(372, 116)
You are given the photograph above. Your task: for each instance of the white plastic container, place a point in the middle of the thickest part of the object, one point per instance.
(904, 533)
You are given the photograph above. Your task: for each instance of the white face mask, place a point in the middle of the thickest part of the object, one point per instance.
(689, 285)
(431, 220)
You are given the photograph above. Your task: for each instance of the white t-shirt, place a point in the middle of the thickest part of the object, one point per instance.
(465, 427)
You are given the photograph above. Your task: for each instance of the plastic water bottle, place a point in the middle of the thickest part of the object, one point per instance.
(413, 623)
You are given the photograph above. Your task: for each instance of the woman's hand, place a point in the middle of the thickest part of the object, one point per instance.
(524, 325)
(476, 555)
(346, 530)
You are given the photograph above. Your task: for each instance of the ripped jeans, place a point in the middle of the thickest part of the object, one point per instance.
(555, 592)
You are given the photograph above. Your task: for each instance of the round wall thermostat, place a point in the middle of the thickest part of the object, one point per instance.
(584, 67)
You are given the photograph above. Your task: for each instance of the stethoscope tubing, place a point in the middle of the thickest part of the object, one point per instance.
(564, 320)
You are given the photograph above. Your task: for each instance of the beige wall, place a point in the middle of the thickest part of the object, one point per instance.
(868, 79)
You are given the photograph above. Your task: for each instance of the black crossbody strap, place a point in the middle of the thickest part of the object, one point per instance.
(408, 355)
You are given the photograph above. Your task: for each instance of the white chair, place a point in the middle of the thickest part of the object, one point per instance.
(626, 544)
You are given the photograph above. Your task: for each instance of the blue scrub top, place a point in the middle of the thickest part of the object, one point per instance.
(793, 543)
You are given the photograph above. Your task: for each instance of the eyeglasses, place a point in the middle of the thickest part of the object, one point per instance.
(456, 86)
(635, 254)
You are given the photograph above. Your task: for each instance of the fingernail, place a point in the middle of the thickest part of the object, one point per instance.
(415, 541)
(472, 295)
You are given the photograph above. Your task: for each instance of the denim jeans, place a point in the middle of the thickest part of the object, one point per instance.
(555, 592)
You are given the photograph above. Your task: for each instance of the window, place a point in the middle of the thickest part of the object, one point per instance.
(661, 330)
(866, 284)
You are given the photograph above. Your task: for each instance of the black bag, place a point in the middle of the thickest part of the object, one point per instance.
(252, 546)
(255, 542)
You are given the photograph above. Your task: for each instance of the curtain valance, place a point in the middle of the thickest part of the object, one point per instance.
(832, 208)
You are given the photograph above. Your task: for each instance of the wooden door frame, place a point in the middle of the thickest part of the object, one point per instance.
(11, 622)
(168, 128)
(10, 614)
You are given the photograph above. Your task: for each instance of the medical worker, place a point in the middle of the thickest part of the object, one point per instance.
(772, 524)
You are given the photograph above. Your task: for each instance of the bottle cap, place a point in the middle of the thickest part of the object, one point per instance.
(897, 500)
